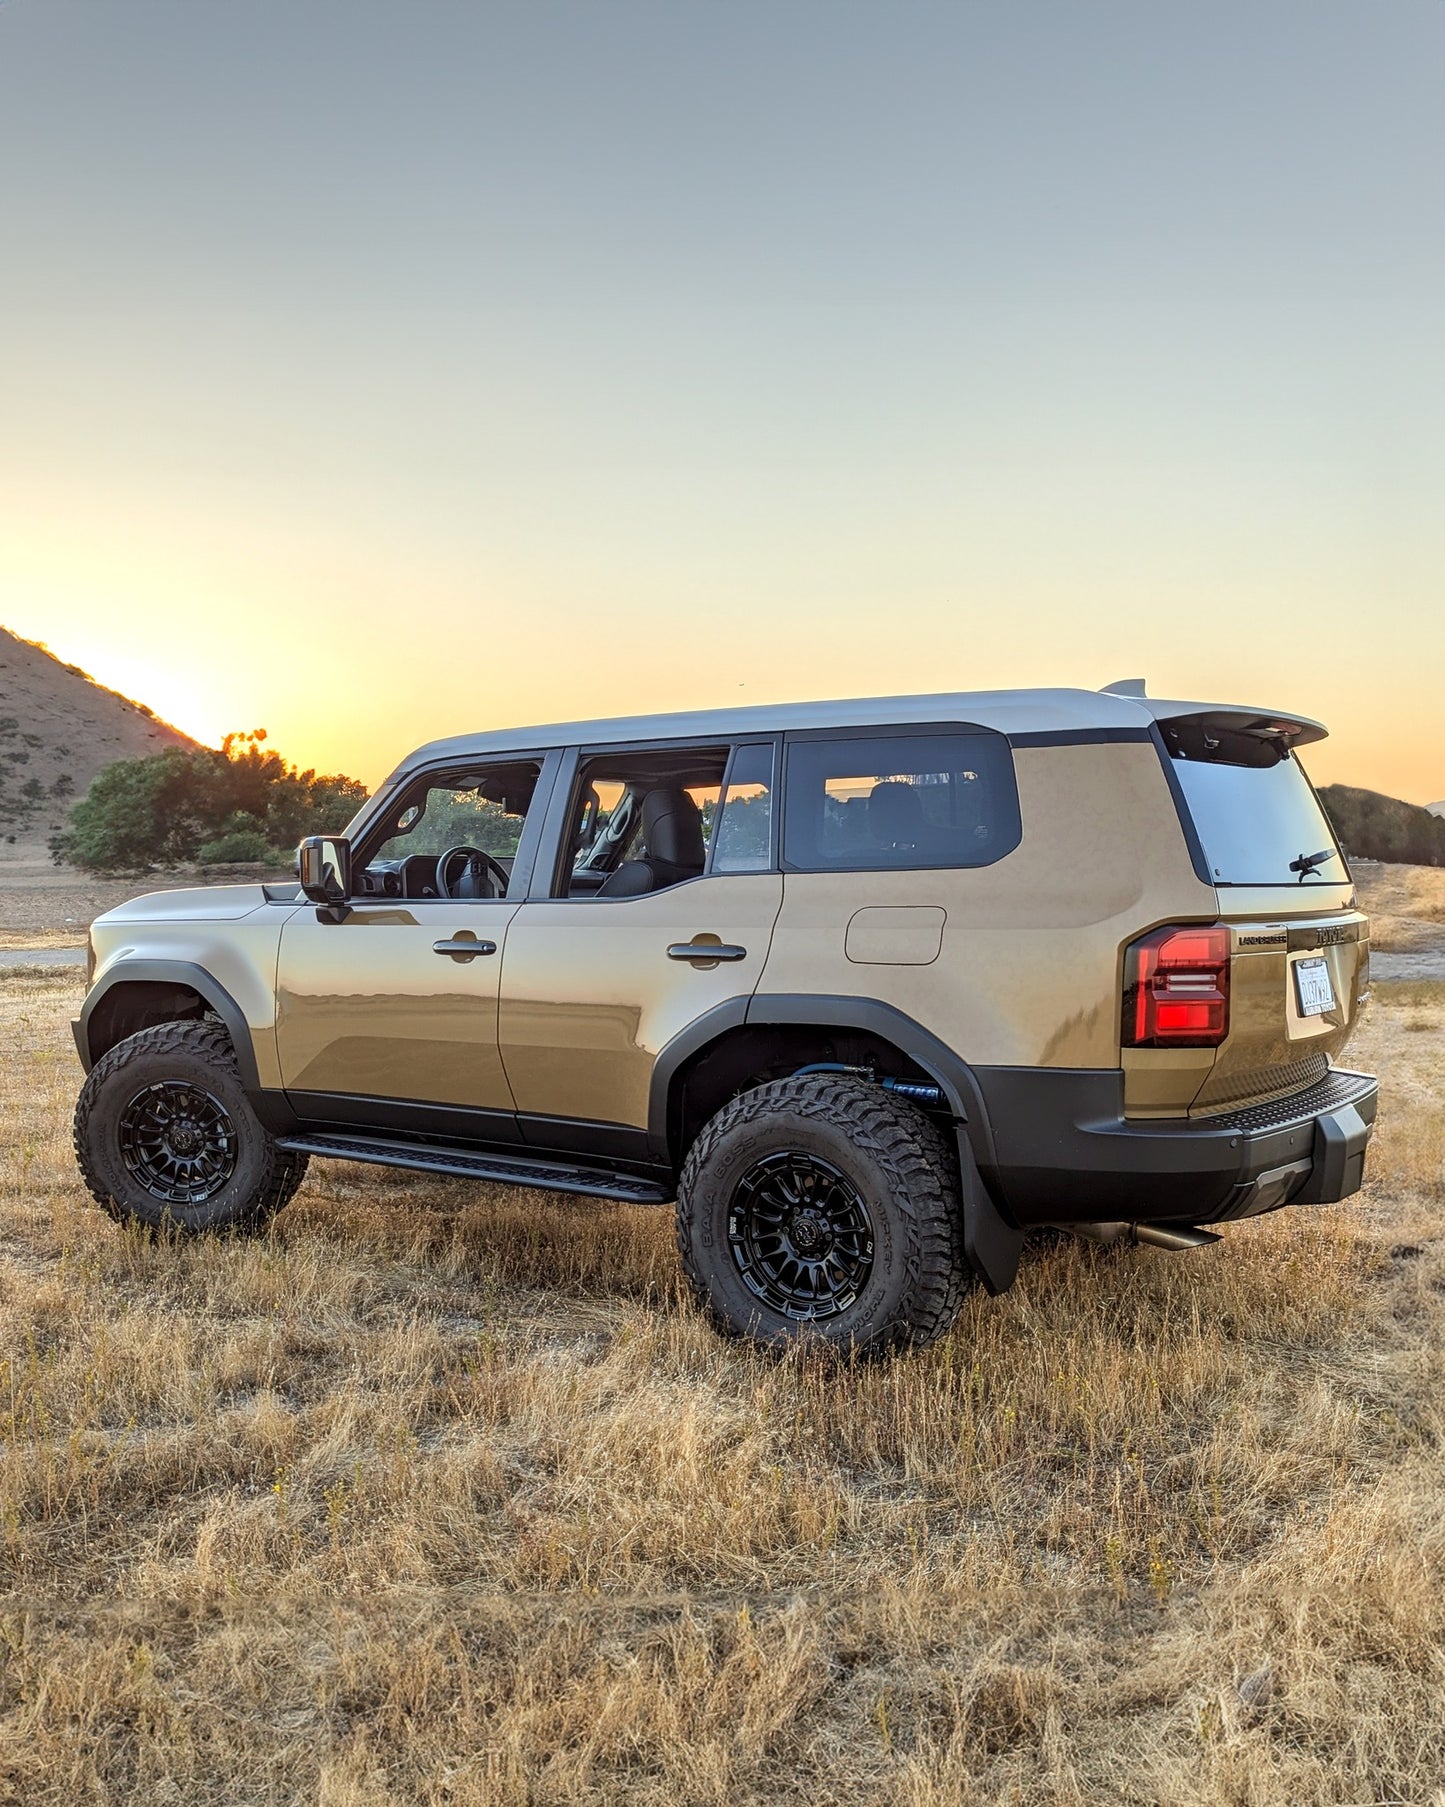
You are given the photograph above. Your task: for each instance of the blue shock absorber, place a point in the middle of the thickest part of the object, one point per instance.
(919, 1091)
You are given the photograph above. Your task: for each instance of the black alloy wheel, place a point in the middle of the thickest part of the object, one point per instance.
(178, 1142)
(801, 1235)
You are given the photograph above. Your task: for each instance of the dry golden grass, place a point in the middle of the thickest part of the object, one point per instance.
(1406, 906)
(442, 1495)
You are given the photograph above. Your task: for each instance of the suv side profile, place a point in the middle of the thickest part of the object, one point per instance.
(869, 988)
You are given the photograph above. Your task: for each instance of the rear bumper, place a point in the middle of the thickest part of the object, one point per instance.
(1063, 1151)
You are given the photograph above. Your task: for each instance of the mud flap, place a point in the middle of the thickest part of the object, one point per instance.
(991, 1243)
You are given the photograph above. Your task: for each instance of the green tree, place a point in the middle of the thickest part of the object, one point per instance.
(243, 802)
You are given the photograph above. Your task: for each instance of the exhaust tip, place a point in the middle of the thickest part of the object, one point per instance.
(1174, 1236)
(1157, 1235)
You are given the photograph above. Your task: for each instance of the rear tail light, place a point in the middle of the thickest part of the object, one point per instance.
(1176, 989)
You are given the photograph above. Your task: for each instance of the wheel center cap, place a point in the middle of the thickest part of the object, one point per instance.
(807, 1232)
(183, 1139)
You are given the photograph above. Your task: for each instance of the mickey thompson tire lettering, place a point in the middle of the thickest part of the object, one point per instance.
(904, 1173)
(197, 1056)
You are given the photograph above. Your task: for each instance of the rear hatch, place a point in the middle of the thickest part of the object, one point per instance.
(1298, 949)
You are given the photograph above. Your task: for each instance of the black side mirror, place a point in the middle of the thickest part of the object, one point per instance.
(324, 864)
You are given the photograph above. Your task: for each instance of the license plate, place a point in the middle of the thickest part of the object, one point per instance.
(1312, 983)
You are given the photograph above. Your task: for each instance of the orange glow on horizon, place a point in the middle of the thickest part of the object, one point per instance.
(364, 734)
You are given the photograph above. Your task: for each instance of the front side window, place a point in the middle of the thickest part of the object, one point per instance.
(456, 835)
(898, 801)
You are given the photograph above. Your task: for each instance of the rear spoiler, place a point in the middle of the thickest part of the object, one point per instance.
(1284, 732)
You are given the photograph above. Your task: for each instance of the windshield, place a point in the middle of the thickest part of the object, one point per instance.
(1254, 820)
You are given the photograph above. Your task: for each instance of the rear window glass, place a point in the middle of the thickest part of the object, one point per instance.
(899, 801)
(1254, 820)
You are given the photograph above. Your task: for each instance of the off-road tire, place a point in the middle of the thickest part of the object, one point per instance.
(199, 1054)
(900, 1165)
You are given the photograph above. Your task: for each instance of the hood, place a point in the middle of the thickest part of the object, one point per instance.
(201, 903)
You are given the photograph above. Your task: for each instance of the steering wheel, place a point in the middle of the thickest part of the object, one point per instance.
(478, 863)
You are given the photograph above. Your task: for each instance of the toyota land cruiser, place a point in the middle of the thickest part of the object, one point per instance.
(868, 988)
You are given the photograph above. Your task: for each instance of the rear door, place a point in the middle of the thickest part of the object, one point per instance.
(594, 986)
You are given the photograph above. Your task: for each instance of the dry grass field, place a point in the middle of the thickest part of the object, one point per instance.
(1406, 905)
(439, 1494)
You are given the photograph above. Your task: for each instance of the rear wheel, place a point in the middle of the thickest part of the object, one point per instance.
(164, 1135)
(821, 1206)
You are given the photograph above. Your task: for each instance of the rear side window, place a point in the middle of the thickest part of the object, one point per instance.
(742, 839)
(1256, 815)
(895, 801)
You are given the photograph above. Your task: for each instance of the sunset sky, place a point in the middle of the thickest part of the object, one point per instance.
(375, 372)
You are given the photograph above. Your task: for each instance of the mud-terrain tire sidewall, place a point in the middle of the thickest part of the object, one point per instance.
(900, 1165)
(264, 1177)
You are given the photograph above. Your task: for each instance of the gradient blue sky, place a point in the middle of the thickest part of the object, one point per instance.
(380, 371)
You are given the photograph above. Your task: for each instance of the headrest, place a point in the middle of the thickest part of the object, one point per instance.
(672, 828)
(895, 815)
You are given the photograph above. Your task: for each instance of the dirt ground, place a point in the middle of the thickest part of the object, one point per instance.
(42, 904)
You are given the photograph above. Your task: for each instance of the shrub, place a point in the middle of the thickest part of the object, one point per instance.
(241, 840)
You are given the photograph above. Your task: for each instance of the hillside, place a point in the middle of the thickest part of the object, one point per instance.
(1375, 827)
(58, 728)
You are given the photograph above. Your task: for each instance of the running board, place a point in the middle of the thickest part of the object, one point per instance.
(502, 1169)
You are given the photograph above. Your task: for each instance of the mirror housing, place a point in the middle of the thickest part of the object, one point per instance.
(323, 863)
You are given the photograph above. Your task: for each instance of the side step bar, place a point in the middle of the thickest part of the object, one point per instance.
(503, 1169)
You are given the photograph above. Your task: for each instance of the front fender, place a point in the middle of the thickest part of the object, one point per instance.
(170, 972)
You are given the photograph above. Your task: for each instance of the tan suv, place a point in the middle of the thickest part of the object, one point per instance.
(870, 988)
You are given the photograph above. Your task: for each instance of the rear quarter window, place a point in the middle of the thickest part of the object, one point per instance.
(897, 801)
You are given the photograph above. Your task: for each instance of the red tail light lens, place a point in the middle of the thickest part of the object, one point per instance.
(1176, 989)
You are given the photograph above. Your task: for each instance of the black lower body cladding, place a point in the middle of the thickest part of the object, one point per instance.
(1063, 1151)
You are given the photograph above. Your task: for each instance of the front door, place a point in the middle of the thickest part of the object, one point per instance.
(375, 1007)
(398, 1000)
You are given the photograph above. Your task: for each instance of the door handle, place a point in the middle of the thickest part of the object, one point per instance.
(464, 948)
(705, 953)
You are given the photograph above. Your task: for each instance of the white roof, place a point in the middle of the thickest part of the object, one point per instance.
(1011, 712)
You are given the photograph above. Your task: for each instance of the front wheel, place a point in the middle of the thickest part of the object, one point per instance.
(165, 1135)
(822, 1206)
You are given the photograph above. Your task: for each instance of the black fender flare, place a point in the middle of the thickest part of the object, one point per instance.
(174, 972)
(992, 1241)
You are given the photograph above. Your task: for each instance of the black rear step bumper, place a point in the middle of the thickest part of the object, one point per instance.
(1063, 1151)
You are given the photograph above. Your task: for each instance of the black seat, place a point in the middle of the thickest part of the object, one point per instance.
(895, 815)
(672, 845)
